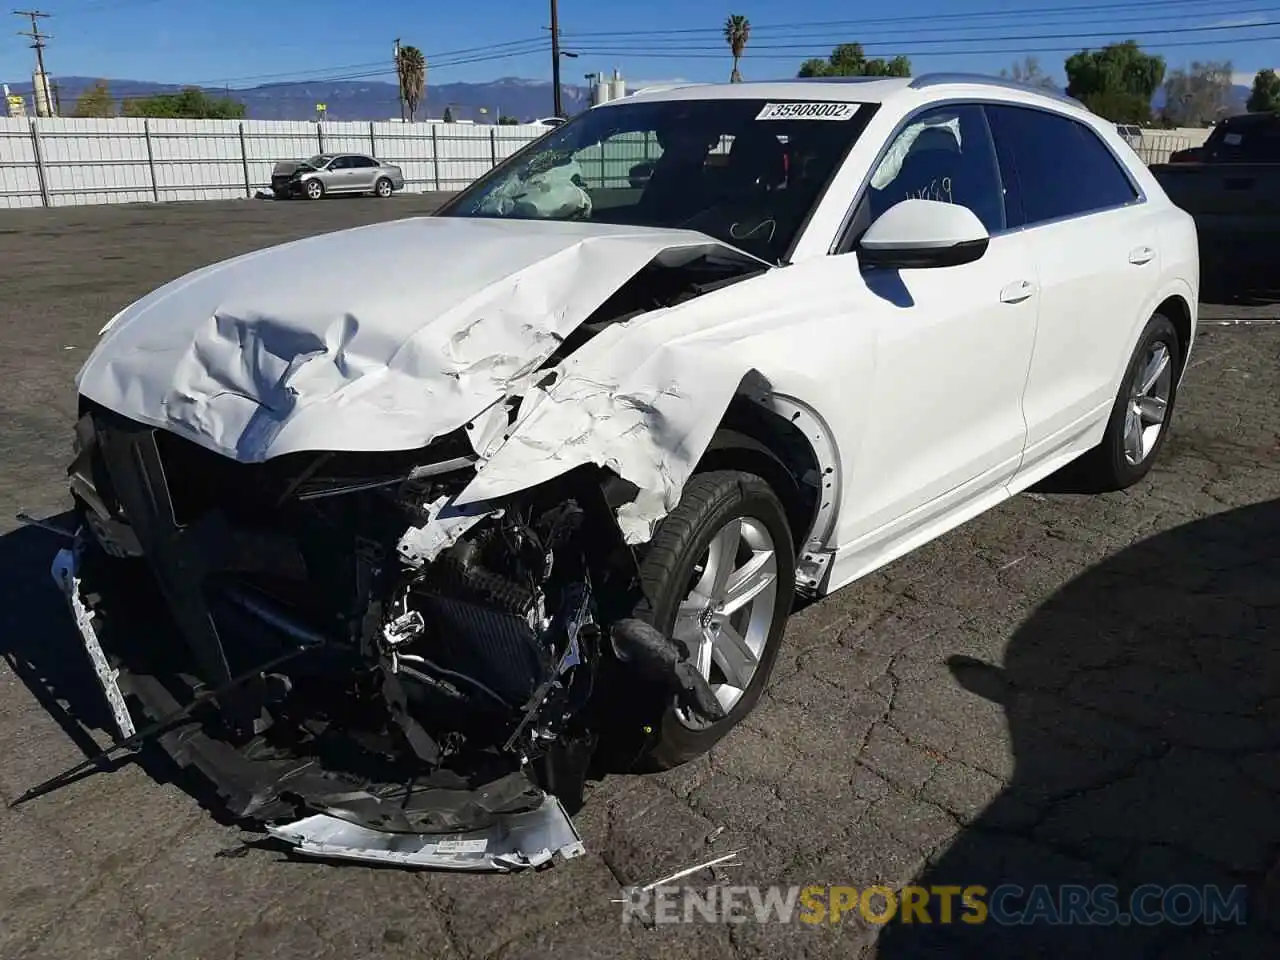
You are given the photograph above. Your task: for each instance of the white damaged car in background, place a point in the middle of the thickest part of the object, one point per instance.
(398, 563)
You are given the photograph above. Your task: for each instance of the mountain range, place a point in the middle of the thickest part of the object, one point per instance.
(351, 99)
(374, 100)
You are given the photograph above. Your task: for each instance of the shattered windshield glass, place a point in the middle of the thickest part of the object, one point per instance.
(746, 172)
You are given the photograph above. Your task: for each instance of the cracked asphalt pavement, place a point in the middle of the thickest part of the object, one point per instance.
(1069, 689)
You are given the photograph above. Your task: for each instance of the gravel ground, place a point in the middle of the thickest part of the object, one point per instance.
(1066, 690)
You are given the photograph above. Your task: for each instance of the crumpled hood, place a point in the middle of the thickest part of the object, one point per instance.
(376, 338)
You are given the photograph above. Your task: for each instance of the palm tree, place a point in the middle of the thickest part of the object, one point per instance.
(737, 31)
(412, 71)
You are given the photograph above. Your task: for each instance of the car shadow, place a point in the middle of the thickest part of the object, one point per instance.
(889, 286)
(42, 648)
(40, 643)
(1143, 702)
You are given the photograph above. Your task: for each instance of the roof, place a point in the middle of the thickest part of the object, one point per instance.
(862, 89)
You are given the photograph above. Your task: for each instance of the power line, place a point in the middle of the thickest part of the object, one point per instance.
(822, 54)
(865, 36)
(1133, 34)
(861, 22)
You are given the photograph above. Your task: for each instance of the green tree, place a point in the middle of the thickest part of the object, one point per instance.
(448, 115)
(506, 120)
(1116, 82)
(1265, 95)
(95, 102)
(737, 31)
(190, 104)
(849, 60)
(411, 69)
(1028, 71)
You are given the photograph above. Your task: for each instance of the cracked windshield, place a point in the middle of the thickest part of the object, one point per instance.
(746, 172)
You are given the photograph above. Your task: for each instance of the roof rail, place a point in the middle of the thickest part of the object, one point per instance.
(937, 79)
(858, 79)
(663, 88)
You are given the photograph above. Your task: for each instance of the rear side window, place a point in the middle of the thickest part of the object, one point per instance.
(1062, 168)
(364, 162)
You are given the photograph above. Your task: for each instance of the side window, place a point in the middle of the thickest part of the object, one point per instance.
(1063, 168)
(942, 154)
(367, 163)
(338, 163)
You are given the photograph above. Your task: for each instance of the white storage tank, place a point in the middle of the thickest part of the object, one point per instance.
(617, 86)
(600, 91)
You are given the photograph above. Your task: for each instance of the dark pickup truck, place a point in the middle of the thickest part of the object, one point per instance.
(1231, 185)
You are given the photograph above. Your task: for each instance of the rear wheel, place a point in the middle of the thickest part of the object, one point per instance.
(314, 189)
(720, 575)
(1142, 412)
(382, 188)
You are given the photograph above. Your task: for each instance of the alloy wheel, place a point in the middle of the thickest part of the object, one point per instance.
(725, 620)
(1148, 403)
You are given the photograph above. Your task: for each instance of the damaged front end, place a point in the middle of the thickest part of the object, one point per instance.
(440, 680)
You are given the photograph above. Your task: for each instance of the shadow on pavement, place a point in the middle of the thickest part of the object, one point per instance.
(1143, 701)
(39, 640)
(40, 645)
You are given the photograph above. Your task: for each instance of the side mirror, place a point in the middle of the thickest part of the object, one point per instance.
(923, 233)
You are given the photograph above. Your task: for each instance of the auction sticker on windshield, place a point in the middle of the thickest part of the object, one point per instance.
(823, 110)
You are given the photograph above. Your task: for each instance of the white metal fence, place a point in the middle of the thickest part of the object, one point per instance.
(63, 162)
(1157, 146)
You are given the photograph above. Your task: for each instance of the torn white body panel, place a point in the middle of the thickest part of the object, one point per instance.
(645, 398)
(377, 338)
(517, 842)
(445, 524)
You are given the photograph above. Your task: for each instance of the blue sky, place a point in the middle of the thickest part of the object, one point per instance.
(241, 43)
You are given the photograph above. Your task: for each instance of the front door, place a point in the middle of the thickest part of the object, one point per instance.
(944, 426)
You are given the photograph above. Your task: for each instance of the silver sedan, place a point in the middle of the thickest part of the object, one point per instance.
(328, 173)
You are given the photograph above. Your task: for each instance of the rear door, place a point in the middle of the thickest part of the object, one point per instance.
(1096, 247)
(363, 172)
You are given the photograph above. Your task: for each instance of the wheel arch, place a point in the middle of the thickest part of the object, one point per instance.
(1178, 310)
(782, 441)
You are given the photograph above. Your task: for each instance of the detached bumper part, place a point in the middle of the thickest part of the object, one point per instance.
(66, 574)
(518, 842)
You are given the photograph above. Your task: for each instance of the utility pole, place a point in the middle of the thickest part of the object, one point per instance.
(399, 82)
(555, 59)
(37, 44)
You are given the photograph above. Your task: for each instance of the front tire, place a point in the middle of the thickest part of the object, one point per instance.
(720, 577)
(1142, 412)
(313, 189)
(382, 188)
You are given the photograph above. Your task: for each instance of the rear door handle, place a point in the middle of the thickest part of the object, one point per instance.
(1017, 291)
(1141, 255)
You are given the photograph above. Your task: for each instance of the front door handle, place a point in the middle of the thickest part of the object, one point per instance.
(1017, 291)
(1140, 255)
